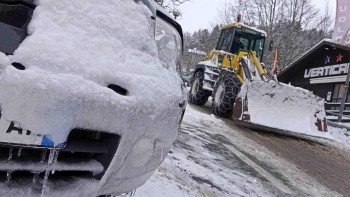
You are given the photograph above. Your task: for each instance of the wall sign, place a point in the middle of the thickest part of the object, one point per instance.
(326, 71)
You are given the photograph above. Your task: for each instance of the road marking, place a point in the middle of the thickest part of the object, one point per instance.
(276, 182)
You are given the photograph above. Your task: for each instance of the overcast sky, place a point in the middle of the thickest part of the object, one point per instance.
(203, 13)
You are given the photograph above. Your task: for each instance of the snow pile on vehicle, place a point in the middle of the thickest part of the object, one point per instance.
(74, 50)
(208, 63)
(284, 107)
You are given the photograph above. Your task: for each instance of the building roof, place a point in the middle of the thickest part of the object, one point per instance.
(321, 49)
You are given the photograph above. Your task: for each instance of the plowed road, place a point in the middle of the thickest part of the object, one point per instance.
(327, 164)
(214, 158)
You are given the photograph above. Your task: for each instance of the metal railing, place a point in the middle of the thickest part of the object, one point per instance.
(337, 117)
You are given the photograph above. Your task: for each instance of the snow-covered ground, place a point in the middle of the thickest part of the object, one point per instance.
(211, 158)
(341, 137)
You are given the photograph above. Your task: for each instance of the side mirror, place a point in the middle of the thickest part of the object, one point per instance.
(271, 45)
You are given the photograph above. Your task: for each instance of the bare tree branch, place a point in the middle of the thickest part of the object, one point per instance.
(172, 6)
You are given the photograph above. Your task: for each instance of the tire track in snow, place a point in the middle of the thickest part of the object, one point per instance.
(276, 182)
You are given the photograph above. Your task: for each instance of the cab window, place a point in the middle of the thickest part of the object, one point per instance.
(259, 47)
(225, 40)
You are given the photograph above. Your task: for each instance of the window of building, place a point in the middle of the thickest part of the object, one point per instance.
(337, 96)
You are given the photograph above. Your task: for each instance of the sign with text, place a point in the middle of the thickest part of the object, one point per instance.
(324, 71)
(341, 33)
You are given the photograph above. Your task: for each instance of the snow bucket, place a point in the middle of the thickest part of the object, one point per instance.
(282, 107)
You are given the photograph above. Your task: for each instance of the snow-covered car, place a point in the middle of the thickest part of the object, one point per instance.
(91, 98)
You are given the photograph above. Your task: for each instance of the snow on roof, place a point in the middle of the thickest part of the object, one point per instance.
(245, 26)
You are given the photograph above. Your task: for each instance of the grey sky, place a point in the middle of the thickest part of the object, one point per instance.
(202, 13)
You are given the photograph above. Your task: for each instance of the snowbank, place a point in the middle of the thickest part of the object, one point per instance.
(341, 137)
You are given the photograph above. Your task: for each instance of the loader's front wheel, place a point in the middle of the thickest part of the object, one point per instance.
(198, 95)
(224, 95)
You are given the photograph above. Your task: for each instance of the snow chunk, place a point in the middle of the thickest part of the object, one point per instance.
(341, 136)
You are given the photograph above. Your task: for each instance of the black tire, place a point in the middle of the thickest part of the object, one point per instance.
(197, 94)
(224, 95)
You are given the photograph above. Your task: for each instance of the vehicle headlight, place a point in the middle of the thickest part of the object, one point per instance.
(169, 44)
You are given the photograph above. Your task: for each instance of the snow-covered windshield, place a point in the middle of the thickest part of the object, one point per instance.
(14, 19)
(169, 45)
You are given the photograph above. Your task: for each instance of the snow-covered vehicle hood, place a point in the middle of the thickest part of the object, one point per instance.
(91, 66)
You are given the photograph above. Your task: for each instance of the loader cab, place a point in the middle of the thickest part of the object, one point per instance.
(239, 37)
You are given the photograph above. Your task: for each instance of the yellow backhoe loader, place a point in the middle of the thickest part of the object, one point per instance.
(241, 87)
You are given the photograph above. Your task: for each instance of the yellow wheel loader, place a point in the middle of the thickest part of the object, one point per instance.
(241, 87)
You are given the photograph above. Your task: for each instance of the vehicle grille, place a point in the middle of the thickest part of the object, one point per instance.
(87, 154)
